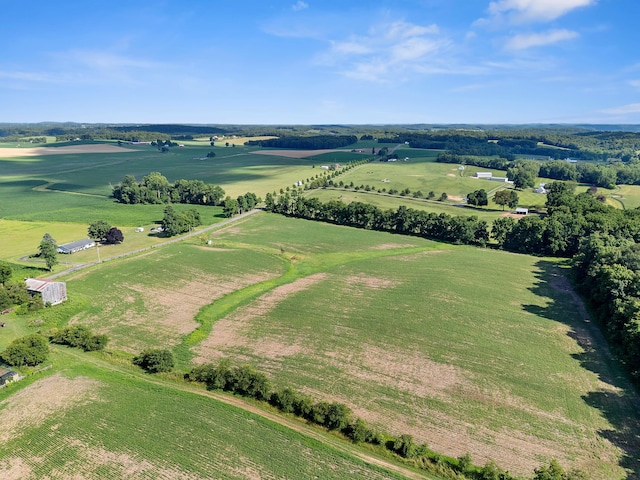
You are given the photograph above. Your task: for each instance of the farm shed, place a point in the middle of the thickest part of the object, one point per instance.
(522, 211)
(483, 175)
(52, 292)
(76, 246)
(499, 179)
(7, 376)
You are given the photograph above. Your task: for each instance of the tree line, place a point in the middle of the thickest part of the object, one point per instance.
(156, 189)
(599, 175)
(246, 381)
(306, 143)
(448, 228)
(554, 143)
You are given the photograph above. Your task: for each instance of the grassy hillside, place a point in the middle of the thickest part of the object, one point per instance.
(90, 422)
(470, 350)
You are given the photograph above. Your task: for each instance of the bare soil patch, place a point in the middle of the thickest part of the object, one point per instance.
(407, 371)
(14, 469)
(169, 312)
(92, 459)
(371, 283)
(455, 198)
(31, 406)
(390, 246)
(71, 149)
(451, 175)
(230, 331)
(412, 257)
(295, 153)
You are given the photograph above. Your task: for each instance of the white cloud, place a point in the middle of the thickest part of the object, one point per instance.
(523, 11)
(299, 5)
(634, 83)
(528, 40)
(109, 61)
(395, 49)
(26, 76)
(623, 109)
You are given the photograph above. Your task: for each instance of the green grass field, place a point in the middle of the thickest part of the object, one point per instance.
(384, 201)
(470, 350)
(467, 349)
(98, 423)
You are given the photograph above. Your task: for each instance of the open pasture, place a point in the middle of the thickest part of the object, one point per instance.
(91, 424)
(623, 196)
(421, 174)
(470, 350)
(156, 301)
(384, 201)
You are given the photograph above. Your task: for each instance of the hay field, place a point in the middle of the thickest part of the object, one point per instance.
(157, 300)
(90, 423)
(470, 350)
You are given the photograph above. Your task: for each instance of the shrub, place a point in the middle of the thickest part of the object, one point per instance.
(30, 350)
(79, 336)
(155, 360)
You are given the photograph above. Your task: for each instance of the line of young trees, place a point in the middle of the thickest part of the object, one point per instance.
(156, 189)
(244, 380)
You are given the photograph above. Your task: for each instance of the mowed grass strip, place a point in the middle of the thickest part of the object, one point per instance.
(104, 424)
(468, 349)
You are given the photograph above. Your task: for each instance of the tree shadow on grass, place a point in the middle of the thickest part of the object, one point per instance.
(620, 403)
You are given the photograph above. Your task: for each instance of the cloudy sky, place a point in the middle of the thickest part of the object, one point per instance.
(320, 61)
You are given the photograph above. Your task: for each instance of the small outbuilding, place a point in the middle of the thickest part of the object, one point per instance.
(7, 376)
(140, 229)
(77, 246)
(483, 175)
(522, 211)
(52, 292)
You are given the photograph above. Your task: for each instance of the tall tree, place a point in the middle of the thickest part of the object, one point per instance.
(98, 230)
(114, 235)
(49, 251)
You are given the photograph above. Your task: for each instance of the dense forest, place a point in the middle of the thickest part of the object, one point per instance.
(579, 145)
(306, 143)
(155, 188)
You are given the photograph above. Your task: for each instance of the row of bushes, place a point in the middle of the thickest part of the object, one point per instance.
(79, 336)
(334, 416)
(33, 349)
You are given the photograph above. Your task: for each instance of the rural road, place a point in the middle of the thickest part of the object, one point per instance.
(215, 226)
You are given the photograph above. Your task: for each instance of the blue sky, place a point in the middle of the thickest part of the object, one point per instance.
(320, 61)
